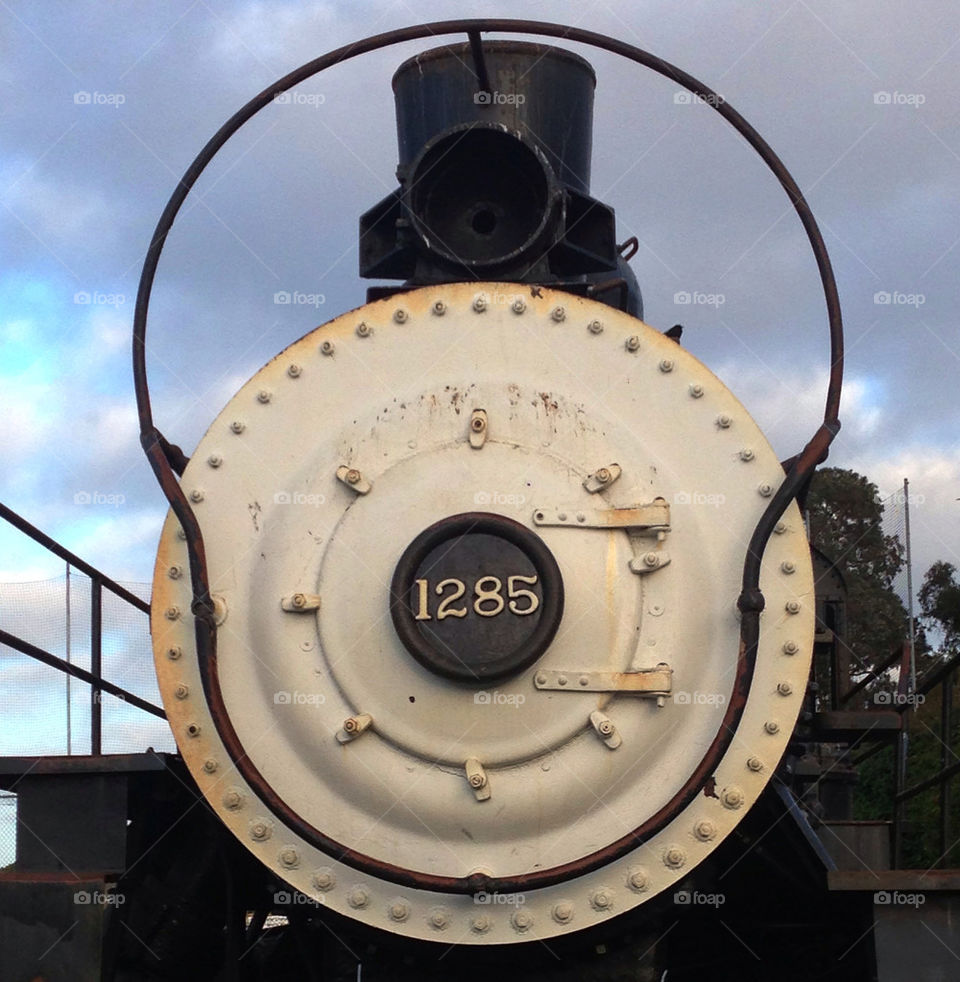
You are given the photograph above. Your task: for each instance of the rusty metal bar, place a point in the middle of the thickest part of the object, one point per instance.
(96, 666)
(12, 641)
(945, 775)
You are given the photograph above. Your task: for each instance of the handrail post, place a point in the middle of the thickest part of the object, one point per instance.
(96, 653)
(946, 707)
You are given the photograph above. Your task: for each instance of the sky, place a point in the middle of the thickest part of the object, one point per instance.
(105, 106)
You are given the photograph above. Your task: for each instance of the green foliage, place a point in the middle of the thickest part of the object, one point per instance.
(940, 605)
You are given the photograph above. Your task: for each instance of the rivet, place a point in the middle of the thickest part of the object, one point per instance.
(398, 910)
(581, 517)
(480, 304)
(666, 365)
(260, 830)
(541, 679)
(790, 647)
(238, 426)
(210, 765)
(724, 421)
(637, 880)
(326, 348)
(214, 460)
(294, 371)
(558, 314)
(632, 343)
(771, 726)
(181, 535)
(563, 912)
(172, 613)
(787, 566)
(746, 454)
(181, 691)
(561, 680)
(522, 920)
(480, 924)
(651, 559)
(696, 390)
(792, 606)
(595, 327)
(324, 879)
(399, 316)
(263, 396)
(175, 572)
(174, 653)
(785, 688)
(583, 680)
(518, 306)
(232, 799)
(439, 918)
(705, 830)
(601, 899)
(196, 495)
(193, 730)
(731, 798)
(439, 308)
(363, 329)
(765, 490)
(289, 857)
(754, 764)
(353, 476)
(674, 857)
(780, 528)
(358, 898)
(562, 517)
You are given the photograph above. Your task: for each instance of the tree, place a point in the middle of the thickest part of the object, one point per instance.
(940, 605)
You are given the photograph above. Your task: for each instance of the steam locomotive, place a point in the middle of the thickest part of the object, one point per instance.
(483, 615)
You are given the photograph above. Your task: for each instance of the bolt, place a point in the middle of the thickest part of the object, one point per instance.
(353, 476)
(790, 647)
(746, 454)
(563, 912)
(480, 304)
(294, 371)
(210, 765)
(780, 528)
(477, 424)
(214, 460)
(477, 780)
(755, 764)
(784, 688)
(651, 559)
(666, 365)
(358, 897)
(175, 572)
(174, 653)
(326, 348)
(601, 900)
(674, 857)
(263, 396)
(172, 613)
(765, 490)
(181, 535)
(724, 421)
(399, 316)
(595, 327)
(290, 857)
(351, 724)
(298, 600)
(705, 830)
(696, 390)
(518, 306)
(238, 426)
(632, 343)
(193, 730)
(637, 880)
(788, 567)
(324, 879)
(439, 308)
(792, 606)
(181, 691)
(480, 924)
(363, 329)
(522, 920)
(603, 475)
(196, 496)
(605, 727)
(398, 911)
(771, 726)
(439, 920)
(260, 831)
(232, 799)
(558, 314)
(731, 798)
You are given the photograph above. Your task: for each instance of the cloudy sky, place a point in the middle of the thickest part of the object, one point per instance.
(105, 105)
